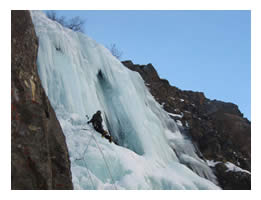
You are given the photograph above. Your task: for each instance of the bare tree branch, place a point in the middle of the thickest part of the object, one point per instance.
(115, 51)
(75, 23)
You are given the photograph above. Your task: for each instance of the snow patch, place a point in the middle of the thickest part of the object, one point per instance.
(229, 165)
(179, 123)
(163, 103)
(175, 115)
(234, 168)
(212, 163)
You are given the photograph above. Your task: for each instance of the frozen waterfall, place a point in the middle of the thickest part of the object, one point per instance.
(80, 77)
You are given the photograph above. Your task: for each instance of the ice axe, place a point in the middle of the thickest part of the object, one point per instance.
(87, 120)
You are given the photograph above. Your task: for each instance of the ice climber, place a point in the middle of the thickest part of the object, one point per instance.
(97, 125)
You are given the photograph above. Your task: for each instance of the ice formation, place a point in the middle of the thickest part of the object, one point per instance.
(80, 77)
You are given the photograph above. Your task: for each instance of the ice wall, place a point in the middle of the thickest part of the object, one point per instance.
(80, 77)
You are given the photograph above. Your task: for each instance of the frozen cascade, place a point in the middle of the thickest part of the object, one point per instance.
(80, 77)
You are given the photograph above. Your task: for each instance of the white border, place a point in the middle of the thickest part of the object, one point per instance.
(129, 5)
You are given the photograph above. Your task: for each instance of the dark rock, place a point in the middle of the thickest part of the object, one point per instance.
(231, 180)
(147, 72)
(217, 128)
(39, 155)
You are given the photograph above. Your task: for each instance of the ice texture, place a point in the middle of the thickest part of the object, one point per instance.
(80, 77)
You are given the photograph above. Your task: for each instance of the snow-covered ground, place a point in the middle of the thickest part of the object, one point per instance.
(80, 77)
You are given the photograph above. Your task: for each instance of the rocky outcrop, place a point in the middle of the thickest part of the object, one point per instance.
(39, 155)
(217, 129)
(232, 180)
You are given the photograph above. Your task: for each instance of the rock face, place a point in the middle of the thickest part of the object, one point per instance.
(230, 180)
(39, 155)
(216, 128)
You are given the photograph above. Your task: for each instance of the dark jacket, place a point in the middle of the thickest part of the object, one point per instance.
(97, 125)
(96, 118)
(97, 122)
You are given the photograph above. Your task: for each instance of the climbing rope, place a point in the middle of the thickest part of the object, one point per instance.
(82, 158)
(105, 163)
(103, 159)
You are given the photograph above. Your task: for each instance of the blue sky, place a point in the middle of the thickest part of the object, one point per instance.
(207, 51)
